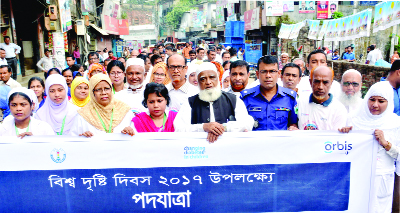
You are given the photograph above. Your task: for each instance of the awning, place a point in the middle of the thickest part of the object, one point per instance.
(101, 31)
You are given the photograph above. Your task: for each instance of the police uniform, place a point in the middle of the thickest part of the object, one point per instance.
(276, 114)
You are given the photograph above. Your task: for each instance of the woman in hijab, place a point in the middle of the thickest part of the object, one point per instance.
(376, 113)
(96, 68)
(159, 74)
(103, 113)
(22, 124)
(80, 92)
(57, 110)
(226, 80)
(191, 73)
(157, 118)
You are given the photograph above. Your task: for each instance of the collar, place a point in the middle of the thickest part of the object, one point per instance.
(325, 103)
(184, 88)
(279, 91)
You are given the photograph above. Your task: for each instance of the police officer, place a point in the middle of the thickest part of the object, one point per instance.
(272, 107)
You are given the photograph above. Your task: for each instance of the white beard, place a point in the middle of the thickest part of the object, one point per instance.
(210, 95)
(136, 86)
(348, 100)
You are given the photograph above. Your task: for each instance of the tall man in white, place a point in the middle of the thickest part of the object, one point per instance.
(351, 90)
(11, 55)
(320, 111)
(212, 110)
(135, 75)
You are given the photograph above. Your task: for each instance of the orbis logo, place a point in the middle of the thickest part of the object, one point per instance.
(343, 148)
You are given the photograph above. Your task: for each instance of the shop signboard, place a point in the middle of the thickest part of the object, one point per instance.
(252, 19)
(110, 24)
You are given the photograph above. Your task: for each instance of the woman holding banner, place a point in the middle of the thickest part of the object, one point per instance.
(376, 113)
(158, 118)
(21, 104)
(103, 113)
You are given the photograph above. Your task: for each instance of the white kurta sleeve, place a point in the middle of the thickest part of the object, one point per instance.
(77, 127)
(39, 64)
(340, 118)
(243, 120)
(183, 120)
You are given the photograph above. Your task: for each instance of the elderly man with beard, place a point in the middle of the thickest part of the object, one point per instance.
(350, 95)
(239, 72)
(320, 111)
(135, 75)
(212, 110)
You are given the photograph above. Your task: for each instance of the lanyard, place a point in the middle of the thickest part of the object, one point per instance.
(62, 127)
(27, 130)
(113, 89)
(164, 120)
(102, 122)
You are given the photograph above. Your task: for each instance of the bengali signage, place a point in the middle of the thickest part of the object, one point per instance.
(273, 8)
(322, 9)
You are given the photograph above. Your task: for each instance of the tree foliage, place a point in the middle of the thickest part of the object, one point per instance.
(282, 19)
(337, 15)
(174, 16)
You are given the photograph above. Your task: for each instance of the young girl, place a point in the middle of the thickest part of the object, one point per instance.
(23, 124)
(57, 110)
(158, 118)
(37, 85)
(80, 92)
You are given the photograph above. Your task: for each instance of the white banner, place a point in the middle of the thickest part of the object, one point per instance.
(276, 171)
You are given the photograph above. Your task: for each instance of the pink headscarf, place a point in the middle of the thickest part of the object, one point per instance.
(53, 113)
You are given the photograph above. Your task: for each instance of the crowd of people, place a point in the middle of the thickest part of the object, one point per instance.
(205, 89)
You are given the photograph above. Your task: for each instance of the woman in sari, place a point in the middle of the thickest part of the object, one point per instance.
(376, 113)
(57, 110)
(80, 91)
(157, 118)
(103, 113)
(21, 123)
(159, 74)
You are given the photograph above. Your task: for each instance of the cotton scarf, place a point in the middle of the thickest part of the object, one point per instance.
(75, 83)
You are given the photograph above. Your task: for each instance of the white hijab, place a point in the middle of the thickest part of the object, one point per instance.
(364, 120)
(30, 93)
(53, 113)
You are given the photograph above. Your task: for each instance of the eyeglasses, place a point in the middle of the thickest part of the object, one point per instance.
(91, 59)
(271, 72)
(159, 74)
(116, 73)
(179, 67)
(106, 90)
(354, 84)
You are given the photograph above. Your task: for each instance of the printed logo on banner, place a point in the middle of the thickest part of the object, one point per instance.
(194, 152)
(338, 147)
(58, 155)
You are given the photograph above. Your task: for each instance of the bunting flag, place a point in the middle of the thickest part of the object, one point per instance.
(314, 27)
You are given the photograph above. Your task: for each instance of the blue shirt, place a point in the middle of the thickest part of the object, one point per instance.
(349, 56)
(396, 98)
(335, 57)
(276, 114)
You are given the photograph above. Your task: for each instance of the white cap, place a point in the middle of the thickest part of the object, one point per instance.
(192, 68)
(228, 47)
(226, 74)
(206, 66)
(134, 61)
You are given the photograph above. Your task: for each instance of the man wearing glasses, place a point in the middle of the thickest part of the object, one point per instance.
(351, 90)
(272, 107)
(179, 89)
(93, 57)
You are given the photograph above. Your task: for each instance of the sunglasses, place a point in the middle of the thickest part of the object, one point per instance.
(354, 84)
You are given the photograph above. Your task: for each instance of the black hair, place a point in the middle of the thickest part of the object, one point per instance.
(25, 96)
(267, 59)
(179, 55)
(315, 52)
(6, 37)
(35, 79)
(209, 51)
(169, 48)
(68, 56)
(46, 50)
(75, 67)
(372, 47)
(198, 50)
(52, 69)
(110, 51)
(219, 48)
(174, 50)
(143, 57)
(225, 63)
(162, 53)
(107, 59)
(65, 70)
(323, 48)
(227, 52)
(239, 63)
(233, 51)
(115, 63)
(92, 54)
(105, 50)
(8, 67)
(159, 89)
(192, 52)
(120, 58)
(155, 49)
(154, 58)
(291, 65)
